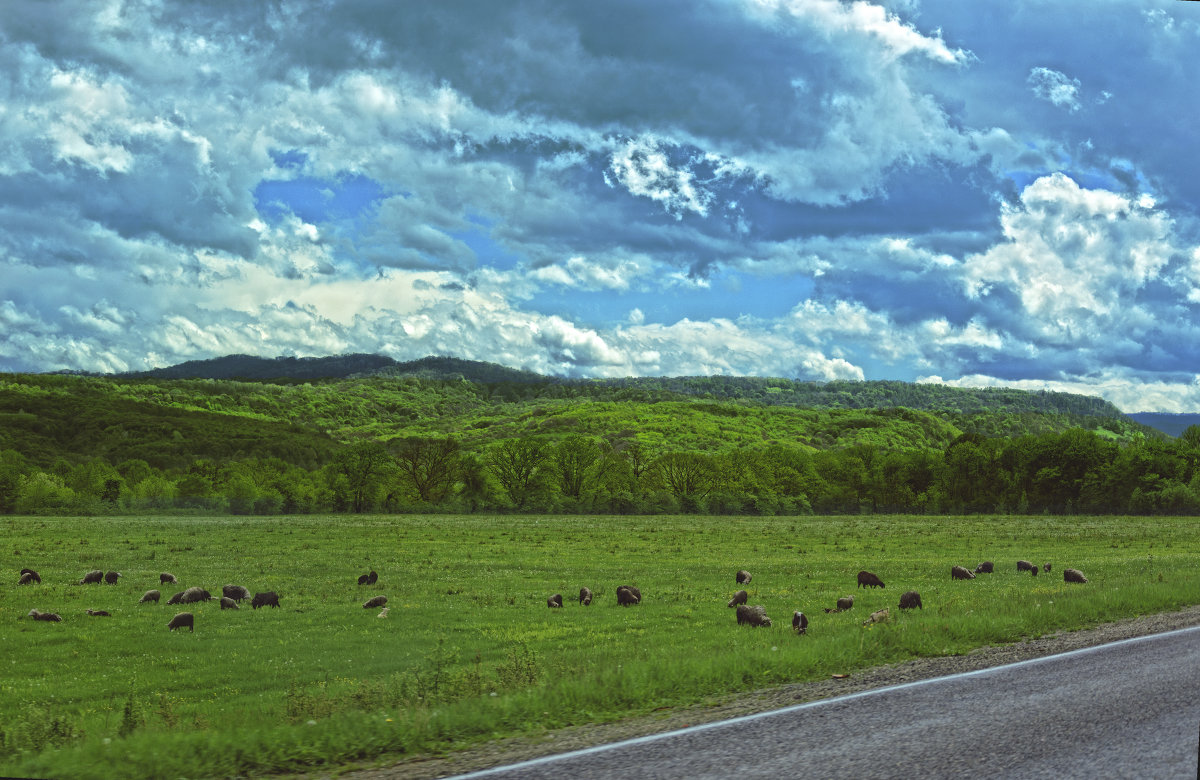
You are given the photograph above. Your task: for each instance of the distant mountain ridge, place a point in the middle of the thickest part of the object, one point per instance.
(338, 367)
(1170, 424)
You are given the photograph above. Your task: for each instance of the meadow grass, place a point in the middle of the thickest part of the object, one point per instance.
(470, 652)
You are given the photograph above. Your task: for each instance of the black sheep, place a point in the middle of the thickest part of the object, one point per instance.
(93, 577)
(741, 597)
(378, 601)
(743, 577)
(111, 577)
(911, 599)
(235, 592)
(554, 601)
(228, 603)
(868, 580)
(183, 619)
(627, 595)
(799, 622)
(585, 596)
(268, 599)
(150, 595)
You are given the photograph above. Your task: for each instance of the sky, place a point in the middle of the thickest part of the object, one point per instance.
(979, 194)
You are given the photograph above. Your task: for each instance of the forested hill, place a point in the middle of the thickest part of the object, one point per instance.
(248, 367)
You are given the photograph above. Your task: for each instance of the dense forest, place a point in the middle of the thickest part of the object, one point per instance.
(365, 434)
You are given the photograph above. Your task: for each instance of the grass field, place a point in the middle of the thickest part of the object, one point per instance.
(470, 652)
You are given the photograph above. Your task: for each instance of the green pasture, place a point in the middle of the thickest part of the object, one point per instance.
(469, 650)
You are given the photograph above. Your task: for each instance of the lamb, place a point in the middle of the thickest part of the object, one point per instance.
(228, 603)
(93, 577)
(29, 577)
(194, 594)
(585, 596)
(1024, 565)
(150, 595)
(368, 579)
(554, 601)
(183, 619)
(743, 577)
(987, 567)
(268, 599)
(111, 577)
(52, 617)
(911, 599)
(98, 613)
(235, 592)
(167, 578)
(867, 579)
(1073, 575)
(177, 598)
(877, 617)
(960, 573)
(378, 601)
(628, 594)
(741, 597)
(1046, 567)
(383, 612)
(755, 616)
(843, 604)
(799, 622)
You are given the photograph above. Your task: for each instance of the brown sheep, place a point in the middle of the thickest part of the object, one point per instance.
(1046, 567)
(868, 580)
(167, 578)
(987, 567)
(194, 594)
(111, 577)
(1024, 565)
(29, 577)
(554, 601)
(183, 619)
(228, 603)
(93, 577)
(150, 595)
(627, 595)
(235, 592)
(378, 601)
(585, 596)
(754, 616)
(177, 598)
(843, 604)
(799, 622)
(877, 617)
(1073, 575)
(960, 573)
(743, 577)
(52, 617)
(911, 599)
(741, 597)
(268, 599)
(98, 613)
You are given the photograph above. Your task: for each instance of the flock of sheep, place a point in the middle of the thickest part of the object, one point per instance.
(756, 615)
(231, 595)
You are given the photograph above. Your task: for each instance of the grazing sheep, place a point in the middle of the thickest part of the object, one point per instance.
(379, 601)
(554, 601)
(743, 577)
(960, 573)
(111, 577)
(52, 617)
(1046, 567)
(741, 597)
(799, 622)
(368, 579)
(228, 603)
(867, 579)
(1073, 575)
(755, 616)
(98, 613)
(167, 578)
(93, 577)
(235, 592)
(987, 567)
(1034, 571)
(1024, 565)
(627, 594)
(876, 617)
(383, 612)
(194, 594)
(585, 596)
(183, 619)
(268, 599)
(177, 598)
(30, 577)
(150, 595)
(911, 599)
(843, 604)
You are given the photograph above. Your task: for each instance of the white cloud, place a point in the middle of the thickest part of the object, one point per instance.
(1055, 87)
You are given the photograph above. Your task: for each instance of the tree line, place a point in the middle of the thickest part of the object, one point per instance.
(1065, 472)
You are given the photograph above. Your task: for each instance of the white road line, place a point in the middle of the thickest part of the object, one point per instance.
(808, 705)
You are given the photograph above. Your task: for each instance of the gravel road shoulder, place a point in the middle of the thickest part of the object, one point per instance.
(563, 740)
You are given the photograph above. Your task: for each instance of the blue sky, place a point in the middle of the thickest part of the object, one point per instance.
(976, 194)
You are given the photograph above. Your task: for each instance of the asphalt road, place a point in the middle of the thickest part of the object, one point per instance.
(1126, 709)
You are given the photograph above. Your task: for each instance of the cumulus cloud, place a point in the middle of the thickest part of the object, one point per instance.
(1055, 87)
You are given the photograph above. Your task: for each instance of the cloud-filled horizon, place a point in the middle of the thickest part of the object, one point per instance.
(919, 190)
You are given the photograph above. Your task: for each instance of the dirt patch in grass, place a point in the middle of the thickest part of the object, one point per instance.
(510, 751)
